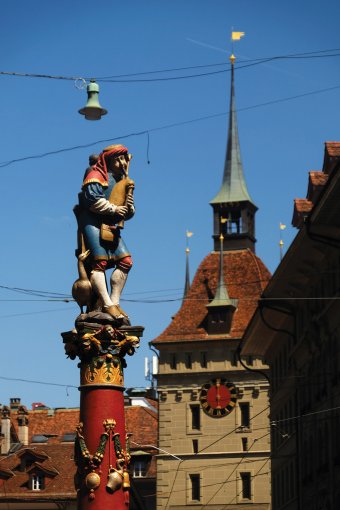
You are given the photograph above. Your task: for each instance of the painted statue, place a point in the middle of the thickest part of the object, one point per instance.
(105, 203)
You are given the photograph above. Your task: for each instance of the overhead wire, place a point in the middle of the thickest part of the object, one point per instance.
(252, 478)
(165, 494)
(45, 383)
(180, 298)
(233, 471)
(200, 75)
(9, 316)
(236, 429)
(163, 300)
(33, 292)
(205, 486)
(243, 63)
(232, 431)
(51, 294)
(255, 60)
(305, 415)
(203, 467)
(4, 164)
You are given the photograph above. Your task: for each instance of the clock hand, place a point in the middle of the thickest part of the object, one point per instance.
(218, 396)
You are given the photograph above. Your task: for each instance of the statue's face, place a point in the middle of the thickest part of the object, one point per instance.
(118, 166)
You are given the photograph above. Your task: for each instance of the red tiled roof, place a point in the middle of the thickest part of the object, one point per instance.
(333, 149)
(302, 208)
(303, 205)
(317, 178)
(246, 277)
(56, 458)
(331, 157)
(43, 422)
(141, 421)
(316, 182)
(59, 486)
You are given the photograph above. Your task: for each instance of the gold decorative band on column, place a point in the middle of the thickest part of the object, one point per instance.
(104, 371)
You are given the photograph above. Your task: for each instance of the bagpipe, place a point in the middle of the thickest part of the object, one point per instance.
(120, 194)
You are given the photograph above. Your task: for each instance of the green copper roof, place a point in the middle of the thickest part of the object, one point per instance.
(234, 188)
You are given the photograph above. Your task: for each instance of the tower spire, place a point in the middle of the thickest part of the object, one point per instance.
(187, 273)
(233, 186)
(233, 200)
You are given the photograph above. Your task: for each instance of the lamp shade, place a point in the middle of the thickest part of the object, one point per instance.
(92, 110)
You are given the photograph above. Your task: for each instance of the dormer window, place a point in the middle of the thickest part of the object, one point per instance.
(37, 482)
(39, 438)
(29, 457)
(69, 437)
(140, 462)
(139, 468)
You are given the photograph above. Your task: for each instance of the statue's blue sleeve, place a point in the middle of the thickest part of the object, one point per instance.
(91, 193)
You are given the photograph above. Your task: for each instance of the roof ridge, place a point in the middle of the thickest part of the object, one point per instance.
(150, 412)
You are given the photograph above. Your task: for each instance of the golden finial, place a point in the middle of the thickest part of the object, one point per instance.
(235, 36)
(221, 237)
(188, 234)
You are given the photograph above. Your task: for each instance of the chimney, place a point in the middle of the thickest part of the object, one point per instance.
(5, 430)
(23, 425)
(14, 403)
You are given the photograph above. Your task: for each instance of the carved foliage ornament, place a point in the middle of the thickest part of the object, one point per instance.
(117, 476)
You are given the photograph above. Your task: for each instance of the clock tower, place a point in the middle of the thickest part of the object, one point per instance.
(214, 430)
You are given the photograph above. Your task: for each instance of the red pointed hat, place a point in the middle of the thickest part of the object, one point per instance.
(98, 172)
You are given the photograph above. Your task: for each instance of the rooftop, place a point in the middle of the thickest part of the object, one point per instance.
(245, 276)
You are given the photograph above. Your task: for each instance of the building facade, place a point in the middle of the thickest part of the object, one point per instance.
(298, 322)
(213, 412)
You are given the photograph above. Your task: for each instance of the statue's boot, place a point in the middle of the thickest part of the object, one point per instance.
(118, 281)
(98, 282)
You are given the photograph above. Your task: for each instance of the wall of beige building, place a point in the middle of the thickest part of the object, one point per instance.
(218, 451)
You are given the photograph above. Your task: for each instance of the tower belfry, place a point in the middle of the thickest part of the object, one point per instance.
(233, 203)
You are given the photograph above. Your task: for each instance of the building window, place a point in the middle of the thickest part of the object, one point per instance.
(139, 468)
(37, 482)
(246, 485)
(173, 361)
(245, 414)
(195, 487)
(195, 417)
(195, 445)
(188, 360)
(233, 360)
(204, 362)
(244, 444)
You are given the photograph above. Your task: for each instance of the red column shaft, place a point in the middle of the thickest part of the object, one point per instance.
(98, 404)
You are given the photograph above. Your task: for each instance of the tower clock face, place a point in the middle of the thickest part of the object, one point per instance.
(218, 398)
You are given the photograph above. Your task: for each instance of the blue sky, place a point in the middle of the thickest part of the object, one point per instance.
(280, 143)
